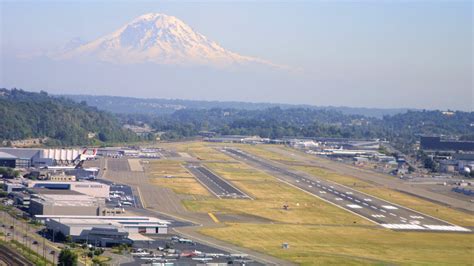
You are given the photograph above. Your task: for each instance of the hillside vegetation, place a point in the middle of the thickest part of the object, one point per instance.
(401, 129)
(38, 115)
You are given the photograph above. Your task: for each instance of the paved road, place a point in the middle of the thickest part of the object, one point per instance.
(387, 214)
(215, 184)
(27, 235)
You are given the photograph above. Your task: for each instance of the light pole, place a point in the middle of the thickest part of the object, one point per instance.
(37, 249)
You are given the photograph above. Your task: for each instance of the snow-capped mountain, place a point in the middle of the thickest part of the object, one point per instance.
(161, 39)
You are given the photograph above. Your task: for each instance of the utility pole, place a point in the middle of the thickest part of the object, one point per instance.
(44, 245)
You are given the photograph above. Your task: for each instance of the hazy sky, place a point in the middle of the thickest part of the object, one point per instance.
(369, 53)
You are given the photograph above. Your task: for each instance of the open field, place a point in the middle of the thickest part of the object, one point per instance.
(324, 245)
(421, 205)
(424, 206)
(318, 233)
(269, 197)
(171, 174)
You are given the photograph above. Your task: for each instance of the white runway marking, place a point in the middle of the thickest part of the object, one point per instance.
(338, 199)
(383, 210)
(378, 215)
(354, 206)
(403, 226)
(322, 192)
(416, 217)
(389, 207)
(349, 193)
(310, 186)
(393, 214)
(447, 228)
(367, 199)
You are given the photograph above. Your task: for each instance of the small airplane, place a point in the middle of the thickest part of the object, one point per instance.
(239, 256)
(140, 253)
(202, 259)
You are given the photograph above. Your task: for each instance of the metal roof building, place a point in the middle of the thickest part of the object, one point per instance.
(105, 229)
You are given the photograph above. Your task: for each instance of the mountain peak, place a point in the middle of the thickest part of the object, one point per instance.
(161, 39)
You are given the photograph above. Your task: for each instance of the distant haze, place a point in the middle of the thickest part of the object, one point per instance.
(368, 54)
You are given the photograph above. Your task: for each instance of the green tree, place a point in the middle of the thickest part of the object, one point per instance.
(67, 258)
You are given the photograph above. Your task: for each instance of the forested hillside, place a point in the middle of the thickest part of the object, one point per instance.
(402, 129)
(38, 115)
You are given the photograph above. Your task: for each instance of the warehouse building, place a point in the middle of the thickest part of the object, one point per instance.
(105, 230)
(18, 158)
(437, 144)
(24, 158)
(93, 189)
(47, 202)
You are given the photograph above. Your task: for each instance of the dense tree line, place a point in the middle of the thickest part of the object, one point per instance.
(402, 129)
(30, 115)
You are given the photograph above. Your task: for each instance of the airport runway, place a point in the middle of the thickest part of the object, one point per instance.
(384, 213)
(215, 184)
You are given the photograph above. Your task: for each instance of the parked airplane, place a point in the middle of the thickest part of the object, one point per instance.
(140, 254)
(202, 259)
(79, 160)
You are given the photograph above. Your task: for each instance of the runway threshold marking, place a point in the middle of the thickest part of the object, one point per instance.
(213, 217)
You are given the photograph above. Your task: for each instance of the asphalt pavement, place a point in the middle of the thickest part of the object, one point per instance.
(218, 186)
(382, 212)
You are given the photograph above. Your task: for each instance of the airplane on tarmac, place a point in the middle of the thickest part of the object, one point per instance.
(79, 160)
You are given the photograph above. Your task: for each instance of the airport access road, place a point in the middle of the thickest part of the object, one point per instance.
(218, 186)
(382, 212)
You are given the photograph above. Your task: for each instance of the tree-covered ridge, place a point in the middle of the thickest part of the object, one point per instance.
(65, 122)
(402, 129)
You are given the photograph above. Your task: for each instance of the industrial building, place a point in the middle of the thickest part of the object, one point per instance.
(13, 187)
(93, 189)
(25, 158)
(51, 202)
(437, 144)
(105, 230)
(18, 158)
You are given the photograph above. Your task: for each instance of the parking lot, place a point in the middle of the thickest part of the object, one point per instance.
(182, 251)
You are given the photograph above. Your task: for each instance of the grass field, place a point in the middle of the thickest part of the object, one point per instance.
(318, 233)
(439, 211)
(171, 174)
(325, 245)
(270, 195)
(424, 206)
